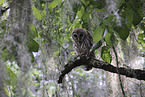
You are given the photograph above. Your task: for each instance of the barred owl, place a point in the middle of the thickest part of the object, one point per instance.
(82, 42)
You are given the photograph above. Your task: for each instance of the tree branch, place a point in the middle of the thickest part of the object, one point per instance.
(88, 60)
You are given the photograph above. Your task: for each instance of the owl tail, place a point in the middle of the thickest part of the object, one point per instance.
(87, 67)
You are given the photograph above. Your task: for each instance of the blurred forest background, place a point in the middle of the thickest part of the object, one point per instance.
(36, 43)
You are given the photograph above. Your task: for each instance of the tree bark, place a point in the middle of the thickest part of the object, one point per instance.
(95, 63)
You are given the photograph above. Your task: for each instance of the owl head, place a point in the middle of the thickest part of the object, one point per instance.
(79, 35)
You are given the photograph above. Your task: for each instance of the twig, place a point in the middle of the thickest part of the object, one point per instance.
(114, 50)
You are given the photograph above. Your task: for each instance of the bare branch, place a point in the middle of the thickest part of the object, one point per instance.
(88, 60)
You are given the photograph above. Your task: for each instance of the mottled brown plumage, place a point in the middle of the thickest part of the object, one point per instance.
(82, 41)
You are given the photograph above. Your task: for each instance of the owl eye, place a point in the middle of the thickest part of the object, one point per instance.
(75, 35)
(81, 35)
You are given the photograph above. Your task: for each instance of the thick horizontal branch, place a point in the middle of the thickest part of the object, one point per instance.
(88, 60)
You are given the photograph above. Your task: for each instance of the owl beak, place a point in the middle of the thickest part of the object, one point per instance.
(78, 39)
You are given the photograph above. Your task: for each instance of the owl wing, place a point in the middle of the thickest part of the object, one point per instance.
(91, 38)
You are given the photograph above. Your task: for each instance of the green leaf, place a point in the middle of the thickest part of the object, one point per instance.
(105, 22)
(141, 37)
(35, 33)
(98, 34)
(1, 2)
(54, 3)
(136, 18)
(37, 13)
(33, 46)
(80, 12)
(76, 24)
(112, 30)
(85, 16)
(85, 24)
(108, 39)
(109, 18)
(105, 54)
(122, 31)
(130, 18)
(98, 3)
(85, 2)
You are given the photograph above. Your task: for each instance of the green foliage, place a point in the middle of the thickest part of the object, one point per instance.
(33, 46)
(136, 18)
(54, 3)
(85, 16)
(130, 18)
(122, 31)
(12, 77)
(141, 38)
(80, 12)
(37, 13)
(1, 2)
(108, 39)
(98, 34)
(105, 54)
(34, 32)
(4, 55)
